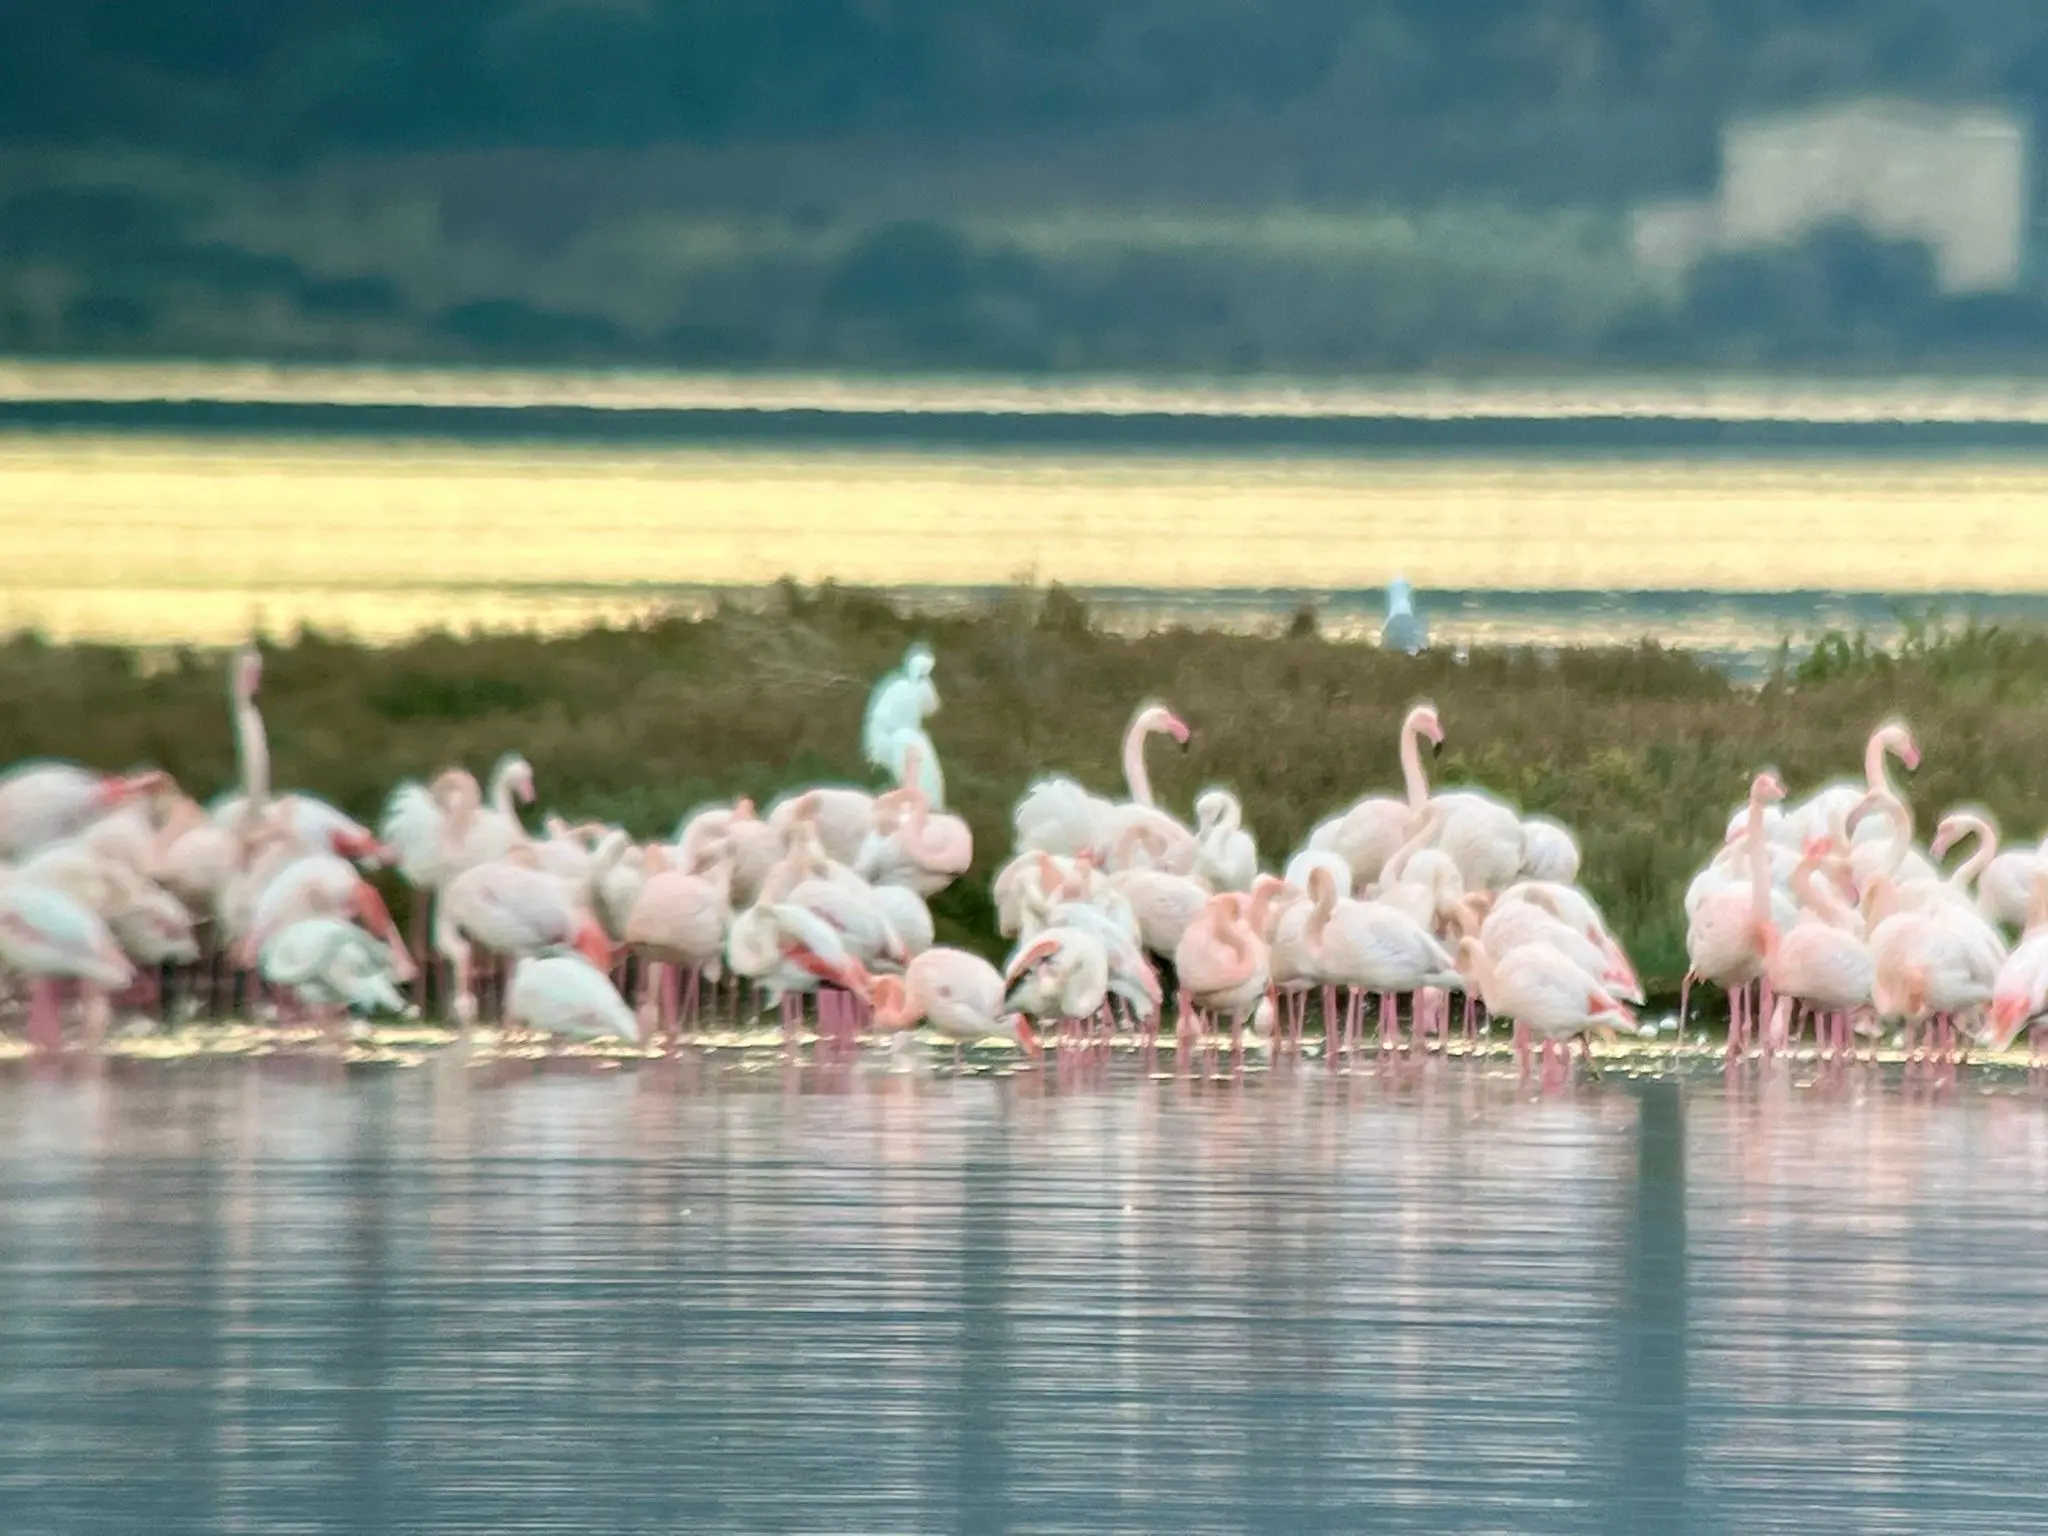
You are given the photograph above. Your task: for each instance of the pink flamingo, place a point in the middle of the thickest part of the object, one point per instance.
(43, 802)
(1369, 833)
(1815, 815)
(1822, 962)
(959, 997)
(1056, 815)
(678, 923)
(511, 909)
(50, 937)
(1062, 975)
(321, 885)
(910, 845)
(1546, 994)
(1222, 963)
(2020, 990)
(1372, 946)
(1721, 939)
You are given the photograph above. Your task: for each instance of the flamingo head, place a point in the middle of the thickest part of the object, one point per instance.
(1767, 788)
(117, 789)
(247, 673)
(593, 943)
(1898, 741)
(1322, 886)
(1034, 954)
(918, 662)
(522, 782)
(743, 810)
(1422, 721)
(1157, 717)
(889, 1000)
(360, 847)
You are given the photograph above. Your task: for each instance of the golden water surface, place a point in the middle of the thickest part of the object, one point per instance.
(159, 539)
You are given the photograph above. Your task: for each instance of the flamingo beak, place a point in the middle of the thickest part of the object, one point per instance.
(1027, 1037)
(2007, 1015)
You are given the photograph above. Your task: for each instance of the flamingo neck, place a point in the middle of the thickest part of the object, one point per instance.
(1397, 866)
(1972, 869)
(1228, 927)
(1815, 896)
(1877, 773)
(1411, 767)
(1135, 776)
(1759, 861)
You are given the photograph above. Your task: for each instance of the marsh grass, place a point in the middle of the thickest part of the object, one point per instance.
(1642, 750)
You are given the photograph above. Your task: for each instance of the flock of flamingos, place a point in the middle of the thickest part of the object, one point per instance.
(1820, 915)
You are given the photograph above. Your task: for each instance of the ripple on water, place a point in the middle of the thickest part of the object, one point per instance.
(689, 1296)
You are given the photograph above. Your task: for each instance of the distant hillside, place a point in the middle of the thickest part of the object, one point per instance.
(1310, 186)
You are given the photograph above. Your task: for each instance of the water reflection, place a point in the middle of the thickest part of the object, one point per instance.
(696, 1298)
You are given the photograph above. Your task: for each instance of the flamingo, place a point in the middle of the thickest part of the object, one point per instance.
(511, 909)
(46, 802)
(1222, 961)
(958, 996)
(787, 951)
(1367, 835)
(312, 820)
(50, 937)
(1421, 880)
(2019, 992)
(1577, 911)
(1062, 975)
(329, 963)
(1822, 961)
(1225, 854)
(1373, 946)
(1814, 816)
(679, 922)
(910, 846)
(1721, 942)
(1550, 997)
(321, 885)
(751, 843)
(565, 993)
(1056, 815)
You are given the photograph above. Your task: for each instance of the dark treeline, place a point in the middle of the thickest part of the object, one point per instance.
(1511, 78)
(555, 180)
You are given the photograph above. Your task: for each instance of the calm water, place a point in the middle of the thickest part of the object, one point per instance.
(679, 1300)
(202, 533)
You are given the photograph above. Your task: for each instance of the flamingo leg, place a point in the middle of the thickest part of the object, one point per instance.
(45, 1016)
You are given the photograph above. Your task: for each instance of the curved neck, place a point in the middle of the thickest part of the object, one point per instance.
(1876, 771)
(1135, 777)
(1971, 869)
(1230, 929)
(1411, 766)
(1815, 895)
(501, 793)
(1397, 866)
